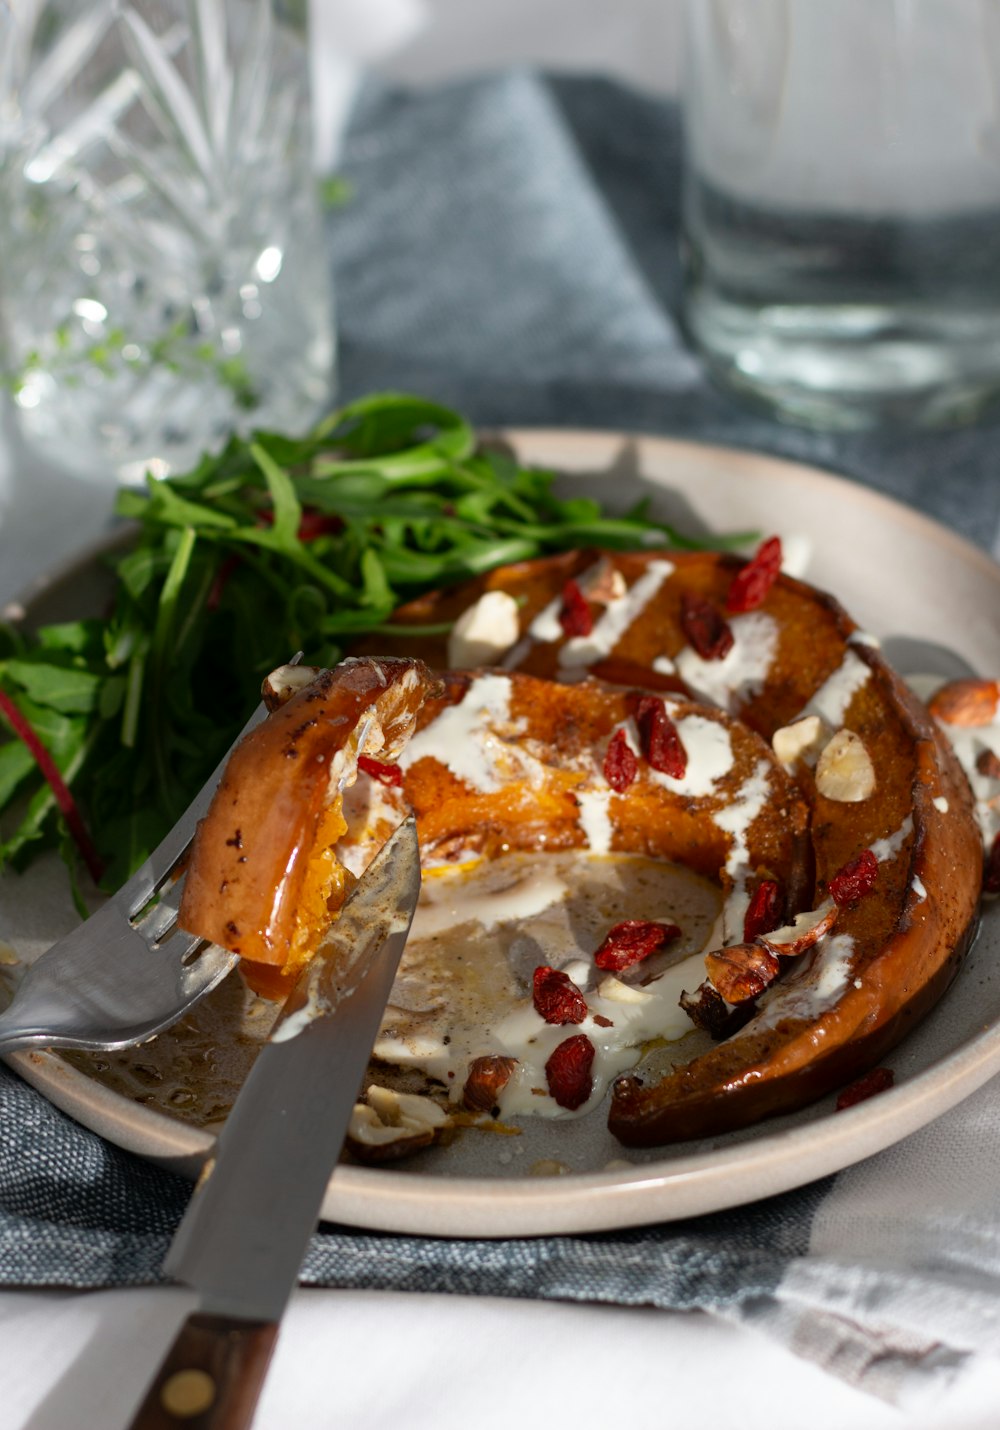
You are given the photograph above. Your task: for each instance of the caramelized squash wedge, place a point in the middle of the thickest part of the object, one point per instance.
(263, 878)
(871, 766)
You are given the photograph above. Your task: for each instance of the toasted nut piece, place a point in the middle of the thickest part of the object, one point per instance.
(393, 1124)
(607, 584)
(805, 930)
(802, 740)
(484, 631)
(741, 972)
(845, 771)
(966, 702)
(709, 1011)
(618, 992)
(488, 1076)
(283, 683)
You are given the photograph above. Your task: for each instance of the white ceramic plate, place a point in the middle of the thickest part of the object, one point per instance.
(901, 576)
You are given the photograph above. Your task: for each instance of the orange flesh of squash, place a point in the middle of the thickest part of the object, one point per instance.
(324, 889)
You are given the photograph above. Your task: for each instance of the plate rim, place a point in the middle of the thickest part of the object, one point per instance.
(701, 1182)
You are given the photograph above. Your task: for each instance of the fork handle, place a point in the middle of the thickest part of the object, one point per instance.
(211, 1377)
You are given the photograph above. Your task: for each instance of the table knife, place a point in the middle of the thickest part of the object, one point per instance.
(241, 1242)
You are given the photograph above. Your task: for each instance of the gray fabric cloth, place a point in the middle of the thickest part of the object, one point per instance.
(510, 247)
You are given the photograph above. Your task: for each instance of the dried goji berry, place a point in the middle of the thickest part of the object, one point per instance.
(878, 1080)
(631, 941)
(220, 582)
(854, 880)
(620, 763)
(661, 744)
(575, 617)
(991, 876)
(318, 523)
(705, 627)
(765, 911)
(385, 774)
(568, 1071)
(749, 587)
(556, 997)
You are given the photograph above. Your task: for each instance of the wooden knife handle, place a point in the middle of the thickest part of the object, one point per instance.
(211, 1376)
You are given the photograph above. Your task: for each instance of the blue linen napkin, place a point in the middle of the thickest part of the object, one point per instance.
(510, 247)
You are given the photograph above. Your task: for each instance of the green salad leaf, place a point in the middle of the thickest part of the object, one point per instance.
(274, 545)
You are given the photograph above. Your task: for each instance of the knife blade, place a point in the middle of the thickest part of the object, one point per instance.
(241, 1242)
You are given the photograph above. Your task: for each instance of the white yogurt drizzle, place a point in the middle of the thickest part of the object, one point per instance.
(546, 627)
(811, 987)
(969, 742)
(742, 673)
(473, 738)
(611, 625)
(834, 696)
(637, 1014)
(595, 819)
(431, 1025)
(735, 820)
(709, 751)
(440, 909)
(888, 848)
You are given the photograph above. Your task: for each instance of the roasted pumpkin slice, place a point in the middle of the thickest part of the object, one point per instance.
(880, 780)
(264, 879)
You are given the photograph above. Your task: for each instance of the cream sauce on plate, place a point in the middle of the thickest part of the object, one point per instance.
(464, 988)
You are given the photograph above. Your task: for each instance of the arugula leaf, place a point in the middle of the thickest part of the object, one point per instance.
(286, 505)
(59, 687)
(16, 764)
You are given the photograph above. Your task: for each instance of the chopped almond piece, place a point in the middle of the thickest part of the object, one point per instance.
(966, 702)
(803, 932)
(845, 772)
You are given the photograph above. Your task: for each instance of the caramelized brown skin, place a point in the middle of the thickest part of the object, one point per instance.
(906, 952)
(252, 850)
(906, 949)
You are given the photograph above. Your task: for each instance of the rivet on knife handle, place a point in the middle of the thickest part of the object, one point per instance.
(211, 1377)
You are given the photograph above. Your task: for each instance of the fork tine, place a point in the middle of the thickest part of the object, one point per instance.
(155, 926)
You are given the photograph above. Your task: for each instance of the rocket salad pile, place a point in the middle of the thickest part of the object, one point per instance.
(109, 726)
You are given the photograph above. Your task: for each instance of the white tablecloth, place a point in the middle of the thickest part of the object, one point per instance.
(374, 1361)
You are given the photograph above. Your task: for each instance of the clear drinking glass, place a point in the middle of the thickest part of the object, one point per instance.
(841, 208)
(163, 277)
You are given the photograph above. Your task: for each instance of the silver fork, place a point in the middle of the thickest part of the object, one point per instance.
(127, 972)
